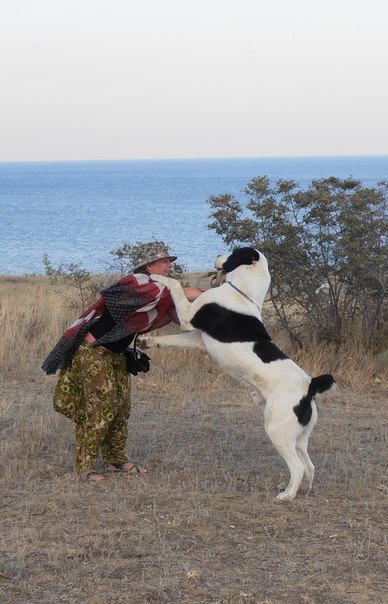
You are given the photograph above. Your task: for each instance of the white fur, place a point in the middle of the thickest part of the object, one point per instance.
(281, 383)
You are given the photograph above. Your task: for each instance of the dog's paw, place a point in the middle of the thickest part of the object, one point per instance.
(144, 342)
(285, 496)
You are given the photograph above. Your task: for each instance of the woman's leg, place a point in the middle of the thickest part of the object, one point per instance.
(115, 439)
(97, 410)
(113, 446)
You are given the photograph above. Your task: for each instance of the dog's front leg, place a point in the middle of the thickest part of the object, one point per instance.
(192, 339)
(182, 305)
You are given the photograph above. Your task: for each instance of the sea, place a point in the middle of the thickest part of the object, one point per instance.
(80, 211)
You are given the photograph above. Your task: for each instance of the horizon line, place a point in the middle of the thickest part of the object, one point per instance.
(194, 158)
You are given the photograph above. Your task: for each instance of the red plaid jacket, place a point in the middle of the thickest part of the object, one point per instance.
(137, 305)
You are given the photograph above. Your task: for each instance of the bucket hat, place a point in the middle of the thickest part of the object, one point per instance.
(145, 253)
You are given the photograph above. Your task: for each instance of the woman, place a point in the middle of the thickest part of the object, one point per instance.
(93, 388)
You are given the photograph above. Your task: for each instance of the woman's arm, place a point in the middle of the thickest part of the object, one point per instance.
(192, 293)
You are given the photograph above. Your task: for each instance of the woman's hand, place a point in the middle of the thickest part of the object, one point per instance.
(192, 293)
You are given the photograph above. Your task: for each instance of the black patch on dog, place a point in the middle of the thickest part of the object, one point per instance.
(303, 410)
(229, 326)
(242, 255)
(317, 385)
(268, 352)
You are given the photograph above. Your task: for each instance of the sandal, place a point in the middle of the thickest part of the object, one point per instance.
(120, 467)
(93, 476)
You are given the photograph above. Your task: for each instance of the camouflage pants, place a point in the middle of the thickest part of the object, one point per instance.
(94, 392)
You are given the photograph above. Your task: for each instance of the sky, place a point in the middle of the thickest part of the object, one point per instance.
(151, 79)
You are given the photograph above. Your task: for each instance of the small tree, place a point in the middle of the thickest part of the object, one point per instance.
(83, 286)
(73, 275)
(126, 254)
(327, 252)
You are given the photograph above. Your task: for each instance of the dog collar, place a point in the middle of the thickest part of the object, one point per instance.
(242, 293)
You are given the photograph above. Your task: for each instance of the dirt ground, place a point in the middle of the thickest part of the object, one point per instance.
(203, 526)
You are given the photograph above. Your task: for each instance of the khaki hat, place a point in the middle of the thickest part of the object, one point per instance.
(145, 253)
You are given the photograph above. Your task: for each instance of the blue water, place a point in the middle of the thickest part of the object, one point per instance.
(80, 211)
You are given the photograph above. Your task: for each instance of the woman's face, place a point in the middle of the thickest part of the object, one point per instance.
(159, 267)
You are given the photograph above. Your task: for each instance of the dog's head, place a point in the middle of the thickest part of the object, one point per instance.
(247, 268)
(239, 256)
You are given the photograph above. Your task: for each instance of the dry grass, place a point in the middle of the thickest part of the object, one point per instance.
(203, 526)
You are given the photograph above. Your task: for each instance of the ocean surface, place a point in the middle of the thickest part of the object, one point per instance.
(80, 211)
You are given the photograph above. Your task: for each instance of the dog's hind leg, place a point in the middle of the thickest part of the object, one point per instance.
(286, 447)
(309, 469)
(302, 442)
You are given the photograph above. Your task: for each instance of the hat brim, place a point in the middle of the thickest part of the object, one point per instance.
(170, 258)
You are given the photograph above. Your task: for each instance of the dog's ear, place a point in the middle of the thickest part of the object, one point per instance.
(242, 255)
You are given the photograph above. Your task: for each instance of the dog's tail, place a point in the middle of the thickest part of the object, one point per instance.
(320, 384)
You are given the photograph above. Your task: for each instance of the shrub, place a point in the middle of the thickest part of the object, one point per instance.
(327, 251)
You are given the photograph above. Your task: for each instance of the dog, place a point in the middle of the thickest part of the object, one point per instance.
(226, 322)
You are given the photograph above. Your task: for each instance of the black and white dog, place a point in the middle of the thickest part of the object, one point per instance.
(226, 322)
